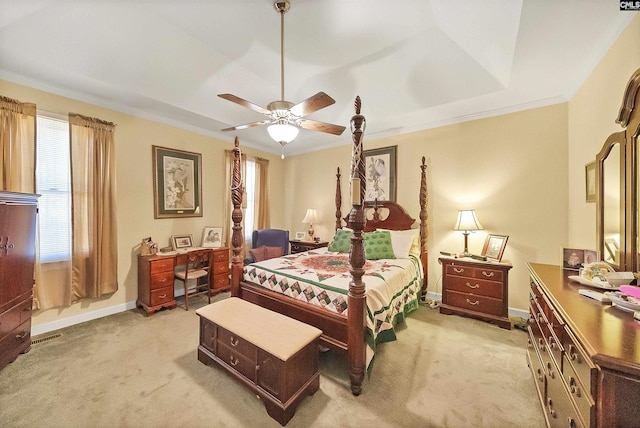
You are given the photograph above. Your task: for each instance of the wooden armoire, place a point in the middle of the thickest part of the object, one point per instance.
(17, 258)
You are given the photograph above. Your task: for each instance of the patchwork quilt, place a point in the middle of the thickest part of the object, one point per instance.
(320, 277)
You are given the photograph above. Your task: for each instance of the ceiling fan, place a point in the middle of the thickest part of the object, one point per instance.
(283, 117)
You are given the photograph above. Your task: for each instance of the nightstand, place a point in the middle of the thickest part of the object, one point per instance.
(300, 246)
(476, 289)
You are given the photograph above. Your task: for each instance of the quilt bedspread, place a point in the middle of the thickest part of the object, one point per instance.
(320, 277)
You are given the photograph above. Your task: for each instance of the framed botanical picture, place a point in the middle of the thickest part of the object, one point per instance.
(494, 246)
(179, 242)
(177, 183)
(300, 236)
(380, 173)
(212, 237)
(590, 181)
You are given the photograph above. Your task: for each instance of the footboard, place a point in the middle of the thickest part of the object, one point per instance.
(333, 326)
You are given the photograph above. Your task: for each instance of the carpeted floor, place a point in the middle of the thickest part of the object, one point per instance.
(129, 370)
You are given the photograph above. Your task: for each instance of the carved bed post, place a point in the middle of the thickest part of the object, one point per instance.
(356, 303)
(236, 216)
(424, 233)
(338, 201)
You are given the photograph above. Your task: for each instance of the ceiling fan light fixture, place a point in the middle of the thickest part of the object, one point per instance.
(283, 132)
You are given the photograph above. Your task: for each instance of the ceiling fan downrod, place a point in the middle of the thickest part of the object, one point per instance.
(282, 7)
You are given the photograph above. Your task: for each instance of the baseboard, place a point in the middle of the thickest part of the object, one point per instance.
(78, 319)
(513, 312)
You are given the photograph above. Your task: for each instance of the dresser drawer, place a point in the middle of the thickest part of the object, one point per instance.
(221, 256)
(579, 392)
(476, 286)
(161, 280)
(161, 295)
(12, 318)
(237, 361)
(15, 341)
(575, 356)
(237, 344)
(488, 274)
(162, 265)
(473, 302)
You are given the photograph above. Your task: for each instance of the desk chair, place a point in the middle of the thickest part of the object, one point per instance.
(196, 267)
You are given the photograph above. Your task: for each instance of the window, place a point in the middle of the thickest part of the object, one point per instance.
(250, 197)
(53, 183)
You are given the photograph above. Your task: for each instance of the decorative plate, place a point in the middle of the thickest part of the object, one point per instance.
(603, 285)
(624, 302)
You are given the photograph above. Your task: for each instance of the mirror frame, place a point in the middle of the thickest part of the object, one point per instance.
(629, 119)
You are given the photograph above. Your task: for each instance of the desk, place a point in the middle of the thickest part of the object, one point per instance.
(155, 276)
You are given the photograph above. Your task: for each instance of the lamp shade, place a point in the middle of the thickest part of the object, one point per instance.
(467, 220)
(311, 217)
(283, 132)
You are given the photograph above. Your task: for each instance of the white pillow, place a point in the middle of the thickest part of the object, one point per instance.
(405, 242)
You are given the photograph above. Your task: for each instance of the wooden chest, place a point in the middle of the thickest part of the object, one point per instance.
(247, 340)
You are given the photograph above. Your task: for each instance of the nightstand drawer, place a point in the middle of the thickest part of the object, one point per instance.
(476, 286)
(473, 302)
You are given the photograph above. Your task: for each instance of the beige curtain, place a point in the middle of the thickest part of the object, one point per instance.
(18, 163)
(93, 210)
(262, 207)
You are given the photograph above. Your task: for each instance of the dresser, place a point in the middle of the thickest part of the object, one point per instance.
(156, 277)
(301, 246)
(584, 355)
(17, 260)
(476, 289)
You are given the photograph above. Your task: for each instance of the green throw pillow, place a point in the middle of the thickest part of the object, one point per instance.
(341, 241)
(377, 245)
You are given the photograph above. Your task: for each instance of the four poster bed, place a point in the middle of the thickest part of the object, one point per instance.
(325, 288)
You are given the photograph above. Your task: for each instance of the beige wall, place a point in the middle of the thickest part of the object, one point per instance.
(592, 114)
(511, 169)
(134, 175)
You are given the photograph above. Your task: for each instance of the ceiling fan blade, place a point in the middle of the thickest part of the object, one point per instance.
(311, 104)
(247, 125)
(314, 125)
(244, 103)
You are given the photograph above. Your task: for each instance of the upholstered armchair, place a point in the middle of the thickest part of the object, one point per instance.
(269, 238)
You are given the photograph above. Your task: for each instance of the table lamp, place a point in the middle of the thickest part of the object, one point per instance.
(311, 217)
(467, 222)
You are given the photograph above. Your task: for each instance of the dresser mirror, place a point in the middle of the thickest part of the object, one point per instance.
(618, 180)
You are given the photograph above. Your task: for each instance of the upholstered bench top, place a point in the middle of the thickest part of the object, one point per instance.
(275, 333)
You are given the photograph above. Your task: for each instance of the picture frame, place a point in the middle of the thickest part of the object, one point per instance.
(572, 258)
(177, 183)
(211, 237)
(300, 236)
(380, 174)
(181, 242)
(612, 249)
(590, 181)
(494, 246)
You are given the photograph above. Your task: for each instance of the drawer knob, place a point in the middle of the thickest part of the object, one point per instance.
(477, 302)
(541, 344)
(574, 387)
(552, 375)
(550, 407)
(572, 422)
(473, 286)
(573, 355)
(234, 341)
(458, 270)
(540, 375)
(488, 274)
(553, 344)
(233, 360)
(22, 335)
(162, 296)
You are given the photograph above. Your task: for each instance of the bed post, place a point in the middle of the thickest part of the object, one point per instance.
(424, 234)
(236, 216)
(338, 201)
(356, 315)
